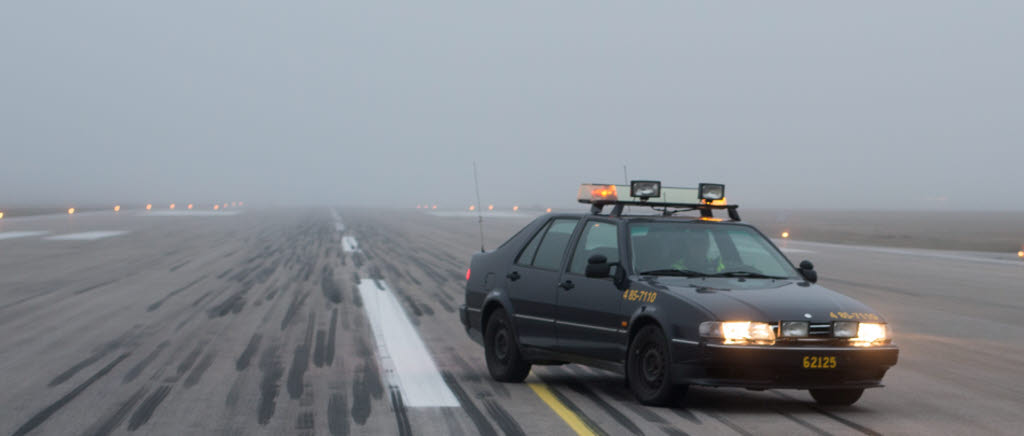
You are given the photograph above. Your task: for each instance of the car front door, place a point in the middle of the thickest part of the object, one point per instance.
(533, 282)
(589, 319)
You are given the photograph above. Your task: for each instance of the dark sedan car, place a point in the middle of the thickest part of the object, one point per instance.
(669, 301)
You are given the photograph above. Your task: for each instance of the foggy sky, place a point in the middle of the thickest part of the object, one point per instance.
(911, 104)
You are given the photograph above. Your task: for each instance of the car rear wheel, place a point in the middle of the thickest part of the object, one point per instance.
(836, 397)
(501, 346)
(648, 368)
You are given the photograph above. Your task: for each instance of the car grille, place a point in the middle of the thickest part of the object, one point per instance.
(818, 334)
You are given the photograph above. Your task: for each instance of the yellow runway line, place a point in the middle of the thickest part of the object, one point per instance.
(570, 417)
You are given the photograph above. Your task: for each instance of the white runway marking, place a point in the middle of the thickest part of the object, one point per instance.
(86, 236)
(966, 256)
(795, 250)
(349, 244)
(403, 355)
(12, 235)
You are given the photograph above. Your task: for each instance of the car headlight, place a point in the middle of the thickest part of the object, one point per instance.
(794, 329)
(738, 332)
(869, 334)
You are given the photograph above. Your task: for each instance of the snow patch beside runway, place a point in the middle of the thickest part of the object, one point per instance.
(86, 236)
(403, 355)
(13, 235)
(349, 244)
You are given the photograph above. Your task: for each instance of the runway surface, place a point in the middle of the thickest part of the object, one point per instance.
(345, 321)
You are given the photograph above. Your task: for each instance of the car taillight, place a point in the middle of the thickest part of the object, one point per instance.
(467, 274)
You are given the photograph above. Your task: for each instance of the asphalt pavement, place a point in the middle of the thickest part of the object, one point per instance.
(345, 321)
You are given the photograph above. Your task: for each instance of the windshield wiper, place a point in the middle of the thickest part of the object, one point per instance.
(746, 274)
(674, 272)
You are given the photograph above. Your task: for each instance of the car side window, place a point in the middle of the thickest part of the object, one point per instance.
(526, 256)
(553, 242)
(598, 238)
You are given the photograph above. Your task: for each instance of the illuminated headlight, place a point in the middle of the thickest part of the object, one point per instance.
(644, 189)
(794, 329)
(738, 332)
(711, 191)
(869, 334)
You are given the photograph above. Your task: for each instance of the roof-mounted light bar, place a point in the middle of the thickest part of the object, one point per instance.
(705, 198)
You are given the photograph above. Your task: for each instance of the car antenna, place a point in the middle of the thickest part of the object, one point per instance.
(479, 213)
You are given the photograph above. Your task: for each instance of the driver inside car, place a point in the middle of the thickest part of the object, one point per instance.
(691, 248)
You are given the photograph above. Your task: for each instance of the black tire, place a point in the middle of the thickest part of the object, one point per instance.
(836, 397)
(504, 361)
(649, 368)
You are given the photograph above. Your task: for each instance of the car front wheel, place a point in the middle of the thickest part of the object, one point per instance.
(504, 361)
(836, 397)
(648, 368)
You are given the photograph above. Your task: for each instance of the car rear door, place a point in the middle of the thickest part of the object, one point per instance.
(589, 319)
(533, 282)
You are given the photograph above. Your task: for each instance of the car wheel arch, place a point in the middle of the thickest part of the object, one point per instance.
(495, 300)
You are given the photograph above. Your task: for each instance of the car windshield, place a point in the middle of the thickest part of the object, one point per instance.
(704, 250)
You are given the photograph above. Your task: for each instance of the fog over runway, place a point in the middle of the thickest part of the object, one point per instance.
(345, 321)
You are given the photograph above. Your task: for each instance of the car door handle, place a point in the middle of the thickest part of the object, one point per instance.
(514, 275)
(567, 285)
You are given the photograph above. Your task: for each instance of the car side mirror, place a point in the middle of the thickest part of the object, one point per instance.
(598, 267)
(807, 270)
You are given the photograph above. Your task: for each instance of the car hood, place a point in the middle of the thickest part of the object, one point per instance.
(767, 300)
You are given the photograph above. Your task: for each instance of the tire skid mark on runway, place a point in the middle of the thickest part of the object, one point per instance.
(837, 418)
(233, 304)
(201, 298)
(300, 360)
(479, 420)
(505, 421)
(682, 412)
(672, 431)
(565, 409)
(136, 370)
(727, 422)
(178, 266)
(84, 290)
(270, 384)
(813, 428)
(320, 349)
(330, 288)
(571, 381)
(161, 301)
(467, 371)
(200, 368)
(148, 406)
(113, 420)
(401, 416)
(331, 338)
(367, 383)
(41, 416)
(639, 409)
(84, 363)
(337, 416)
(250, 350)
(298, 300)
(623, 420)
(186, 364)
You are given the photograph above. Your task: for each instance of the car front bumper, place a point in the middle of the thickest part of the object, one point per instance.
(765, 367)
